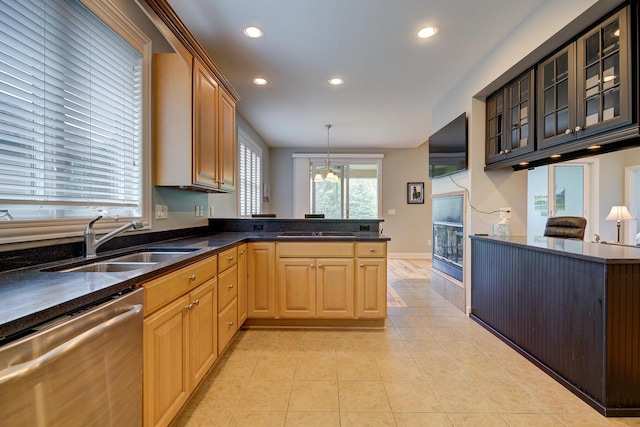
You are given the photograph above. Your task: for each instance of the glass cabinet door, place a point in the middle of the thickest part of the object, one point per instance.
(603, 80)
(495, 127)
(556, 113)
(521, 107)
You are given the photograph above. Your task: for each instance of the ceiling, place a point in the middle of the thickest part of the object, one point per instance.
(392, 78)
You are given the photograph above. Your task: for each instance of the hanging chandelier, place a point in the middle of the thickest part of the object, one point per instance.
(331, 177)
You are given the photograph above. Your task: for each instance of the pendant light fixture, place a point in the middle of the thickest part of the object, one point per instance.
(331, 177)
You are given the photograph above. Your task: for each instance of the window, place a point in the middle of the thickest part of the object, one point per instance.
(356, 193)
(250, 175)
(71, 112)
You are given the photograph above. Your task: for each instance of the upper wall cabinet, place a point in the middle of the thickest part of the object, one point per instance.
(194, 121)
(510, 119)
(584, 88)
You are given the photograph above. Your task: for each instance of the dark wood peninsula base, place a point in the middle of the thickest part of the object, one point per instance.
(571, 307)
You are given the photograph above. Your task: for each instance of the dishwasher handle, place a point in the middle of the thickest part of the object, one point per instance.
(23, 369)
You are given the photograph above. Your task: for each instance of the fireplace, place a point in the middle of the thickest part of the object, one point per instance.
(448, 234)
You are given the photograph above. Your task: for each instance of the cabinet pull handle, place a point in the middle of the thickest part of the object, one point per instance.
(196, 302)
(230, 323)
(192, 277)
(189, 307)
(311, 265)
(230, 286)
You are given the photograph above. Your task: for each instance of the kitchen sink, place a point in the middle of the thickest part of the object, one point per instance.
(316, 234)
(107, 267)
(127, 262)
(148, 256)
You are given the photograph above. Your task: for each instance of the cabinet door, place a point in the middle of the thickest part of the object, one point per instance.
(261, 280)
(556, 109)
(521, 100)
(603, 76)
(242, 284)
(495, 127)
(227, 143)
(335, 291)
(371, 288)
(203, 330)
(205, 144)
(166, 377)
(296, 287)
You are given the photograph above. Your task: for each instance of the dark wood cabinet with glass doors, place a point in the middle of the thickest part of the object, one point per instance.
(510, 119)
(584, 88)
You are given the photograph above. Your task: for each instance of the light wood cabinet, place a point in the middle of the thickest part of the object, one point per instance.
(205, 126)
(371, 280)
(261, 280)
(242, 284)
(315, 287)
(180, 338)
(165, 377)
(227, 296)
(194, 126)
(180, 345)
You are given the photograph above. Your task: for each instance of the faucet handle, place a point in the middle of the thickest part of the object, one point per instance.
(89, 229)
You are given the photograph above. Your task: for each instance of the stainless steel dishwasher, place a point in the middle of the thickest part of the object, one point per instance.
(82, 369)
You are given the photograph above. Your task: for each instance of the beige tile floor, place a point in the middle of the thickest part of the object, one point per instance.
(432, 366)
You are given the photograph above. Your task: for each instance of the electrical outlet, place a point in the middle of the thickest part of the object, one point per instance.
(161, 212)
(211, 211)
(199, 210)
(391, 211)
(505, 213)
(428, 242)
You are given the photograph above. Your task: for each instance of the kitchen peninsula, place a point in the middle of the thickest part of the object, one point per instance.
(571, 307)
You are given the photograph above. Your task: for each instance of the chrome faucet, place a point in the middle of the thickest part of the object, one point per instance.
(92, 244)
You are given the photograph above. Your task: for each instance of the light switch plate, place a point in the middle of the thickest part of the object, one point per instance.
(162, 212)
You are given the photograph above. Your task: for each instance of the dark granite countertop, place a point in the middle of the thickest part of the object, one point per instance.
(30, 296)
(597, 252)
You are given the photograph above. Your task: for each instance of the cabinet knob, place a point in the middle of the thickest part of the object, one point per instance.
(230, 258)
(196, 302)
(192, 277)
(578, 128)
(319, 265)
(311, 265)
(361, 265)
(241, 253)
(189, 307)
(230, 323)
(507, 151)
(501, 152)
(568, 131)
(372, 250)
(230, 286)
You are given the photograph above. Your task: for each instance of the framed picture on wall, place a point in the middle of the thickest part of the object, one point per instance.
(415, 192)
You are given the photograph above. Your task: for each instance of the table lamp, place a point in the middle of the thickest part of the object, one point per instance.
(618, 214)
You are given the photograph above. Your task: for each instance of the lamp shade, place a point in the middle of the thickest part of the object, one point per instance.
(619, 213)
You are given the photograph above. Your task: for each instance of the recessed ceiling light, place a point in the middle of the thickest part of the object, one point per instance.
(523, 163)
(336, 81)
(253, 32)
(593, 147)
(427, 32)
(555, 156)
(260, 81)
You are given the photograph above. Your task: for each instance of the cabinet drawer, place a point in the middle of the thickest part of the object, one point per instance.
(167, 288)
(371, 249)
(315, 249)
(227, 324)
(227, 287)
(227, 258)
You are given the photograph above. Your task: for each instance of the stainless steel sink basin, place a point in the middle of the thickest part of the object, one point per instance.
(316, 234)
(108, 267)
(148, 256)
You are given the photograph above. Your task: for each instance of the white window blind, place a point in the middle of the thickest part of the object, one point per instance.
(250, 177)
(70, 113)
